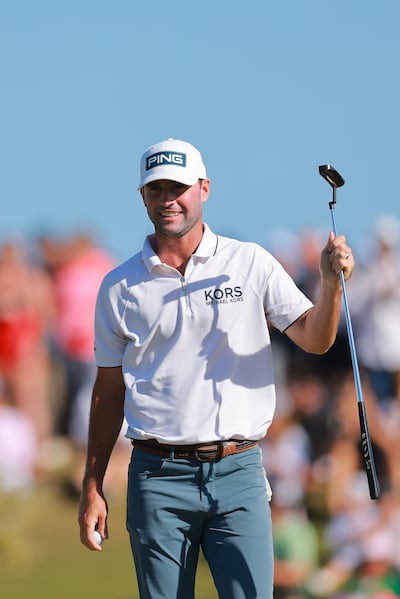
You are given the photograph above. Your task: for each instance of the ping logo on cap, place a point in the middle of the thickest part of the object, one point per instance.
(161, 158)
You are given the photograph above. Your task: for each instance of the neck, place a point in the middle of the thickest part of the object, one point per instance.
(176, 251)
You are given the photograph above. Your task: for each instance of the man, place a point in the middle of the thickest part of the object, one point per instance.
(183, 350)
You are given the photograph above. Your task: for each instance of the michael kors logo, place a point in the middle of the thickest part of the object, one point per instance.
(223, 295)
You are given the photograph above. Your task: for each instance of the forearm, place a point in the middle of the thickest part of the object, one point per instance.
(106, 418)
(316, 331)
(104, 429)
(320, 324)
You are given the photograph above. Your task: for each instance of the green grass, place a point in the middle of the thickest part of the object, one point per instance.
(41, 556)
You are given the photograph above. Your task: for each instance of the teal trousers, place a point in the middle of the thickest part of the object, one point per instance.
(175, 507)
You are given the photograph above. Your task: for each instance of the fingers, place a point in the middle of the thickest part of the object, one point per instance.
(102, 529)
(87, 534)
(92, 537)
(90, 520)
(340, 255)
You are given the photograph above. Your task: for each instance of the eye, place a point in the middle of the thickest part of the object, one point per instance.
(180, 187)
(153, 188)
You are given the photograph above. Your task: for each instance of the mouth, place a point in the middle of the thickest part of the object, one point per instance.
(169, 214)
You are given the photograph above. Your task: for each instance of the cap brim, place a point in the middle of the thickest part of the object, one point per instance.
(160, 177)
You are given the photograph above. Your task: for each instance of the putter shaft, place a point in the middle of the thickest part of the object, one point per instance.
(335, 180)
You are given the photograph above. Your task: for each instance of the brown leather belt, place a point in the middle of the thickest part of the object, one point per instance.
(206, 452)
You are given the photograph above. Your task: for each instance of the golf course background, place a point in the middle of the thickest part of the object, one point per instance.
(42, 557)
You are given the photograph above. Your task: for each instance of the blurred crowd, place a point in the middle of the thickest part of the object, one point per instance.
(331, 539)
(48, 290)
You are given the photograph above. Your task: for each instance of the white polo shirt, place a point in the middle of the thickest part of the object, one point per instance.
(195, 350)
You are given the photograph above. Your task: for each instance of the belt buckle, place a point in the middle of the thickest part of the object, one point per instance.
(205, 458)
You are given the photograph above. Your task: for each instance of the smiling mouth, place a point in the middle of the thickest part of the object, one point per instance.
(169, 214)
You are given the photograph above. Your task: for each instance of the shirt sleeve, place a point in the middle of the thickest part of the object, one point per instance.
(109, 340)
(284, 302)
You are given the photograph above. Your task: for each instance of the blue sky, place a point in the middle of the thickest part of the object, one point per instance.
(266, 90)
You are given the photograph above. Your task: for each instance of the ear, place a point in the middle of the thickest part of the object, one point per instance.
(141, 190)
(205, 189)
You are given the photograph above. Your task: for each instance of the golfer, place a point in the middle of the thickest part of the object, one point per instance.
(183, 351)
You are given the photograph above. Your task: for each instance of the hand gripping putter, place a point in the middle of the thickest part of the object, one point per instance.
(335, 180)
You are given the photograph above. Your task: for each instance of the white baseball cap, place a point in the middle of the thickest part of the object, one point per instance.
(172, 159)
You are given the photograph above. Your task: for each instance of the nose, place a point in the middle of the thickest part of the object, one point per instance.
(166, 196)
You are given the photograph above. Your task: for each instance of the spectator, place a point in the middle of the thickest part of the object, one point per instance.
(363, 540)
(78, 267)
(286, 457)
(18, 448)
(26, 312)
(345, 427)
(375, 301)
(337, 360)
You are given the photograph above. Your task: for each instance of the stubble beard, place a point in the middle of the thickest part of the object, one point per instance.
(175, 232)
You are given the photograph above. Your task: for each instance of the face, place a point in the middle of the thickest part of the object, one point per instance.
(175, 208)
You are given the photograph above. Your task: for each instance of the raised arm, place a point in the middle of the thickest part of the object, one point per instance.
(106, 417)
(316, 331)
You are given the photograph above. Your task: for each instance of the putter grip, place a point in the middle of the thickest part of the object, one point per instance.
(367, 454)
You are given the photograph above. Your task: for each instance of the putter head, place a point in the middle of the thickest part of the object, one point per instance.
(331, 175)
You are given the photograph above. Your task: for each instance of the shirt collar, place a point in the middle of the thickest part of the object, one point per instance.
(206, 249)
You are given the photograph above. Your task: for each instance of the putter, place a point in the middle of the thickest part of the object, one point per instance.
(335, 180)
